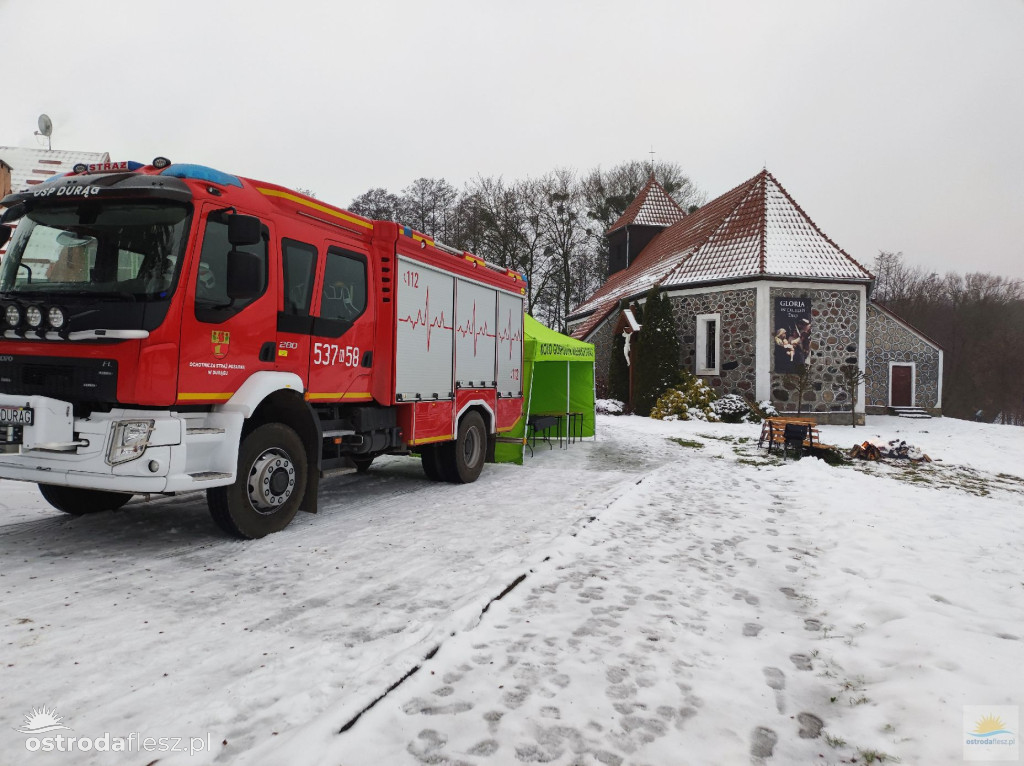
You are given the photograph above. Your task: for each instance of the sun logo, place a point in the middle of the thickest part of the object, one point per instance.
(988, 725)
(42, 720)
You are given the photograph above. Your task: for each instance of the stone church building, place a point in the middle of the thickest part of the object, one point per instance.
(756, 289)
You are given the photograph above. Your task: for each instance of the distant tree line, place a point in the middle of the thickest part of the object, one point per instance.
(978, 319)
(549, 228)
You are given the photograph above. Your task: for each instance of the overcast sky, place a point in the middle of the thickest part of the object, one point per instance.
(896, 125)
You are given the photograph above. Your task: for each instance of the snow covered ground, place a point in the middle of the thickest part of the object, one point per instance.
(679, 598)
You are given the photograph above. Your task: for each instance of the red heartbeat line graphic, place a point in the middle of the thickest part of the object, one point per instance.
(511, 335)
(470, 328)
(423, 318)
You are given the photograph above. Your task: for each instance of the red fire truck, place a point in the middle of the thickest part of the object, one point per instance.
(170, 327)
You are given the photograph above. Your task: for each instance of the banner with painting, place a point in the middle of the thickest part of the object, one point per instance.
(792, 339)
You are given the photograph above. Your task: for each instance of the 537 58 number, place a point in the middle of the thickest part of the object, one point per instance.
(332, 353)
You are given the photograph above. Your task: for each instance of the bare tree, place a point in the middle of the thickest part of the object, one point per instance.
(800, 381)
(978, 319)
(852, 378)
(428, 205)
(550, 228)
(609, 192)
(377, 203)
(566, 236)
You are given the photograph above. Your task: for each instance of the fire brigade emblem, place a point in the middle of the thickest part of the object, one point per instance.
(220, 340)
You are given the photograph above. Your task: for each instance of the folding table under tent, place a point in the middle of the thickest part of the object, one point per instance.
(558, 379)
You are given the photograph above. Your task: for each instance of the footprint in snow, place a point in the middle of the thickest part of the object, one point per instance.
(762, 743)
(801, 661)
(776, 680)
(750, 598)
(751, 629)
(484, 747)
(810, 725)
(426, 745)
(427, 707)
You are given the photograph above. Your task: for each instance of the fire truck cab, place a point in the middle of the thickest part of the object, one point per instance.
(167, 328)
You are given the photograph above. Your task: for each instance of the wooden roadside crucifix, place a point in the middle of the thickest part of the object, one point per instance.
(626, 326)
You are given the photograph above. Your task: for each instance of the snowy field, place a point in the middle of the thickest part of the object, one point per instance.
(665, 595)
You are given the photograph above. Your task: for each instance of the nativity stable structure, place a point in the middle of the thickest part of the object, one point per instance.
(757, 289)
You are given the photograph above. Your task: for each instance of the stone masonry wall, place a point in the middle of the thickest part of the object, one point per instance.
(602, 340)
(890, 341)
(738, 310)
(835, 329)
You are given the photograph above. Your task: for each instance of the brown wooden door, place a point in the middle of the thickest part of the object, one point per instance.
(902, 385)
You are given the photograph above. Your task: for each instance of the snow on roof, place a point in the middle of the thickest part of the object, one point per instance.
(30, 167)
(753, 230)
(652, 207)
(33, 166)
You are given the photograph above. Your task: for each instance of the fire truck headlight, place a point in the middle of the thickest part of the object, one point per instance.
(131, 437)
(34, 316)
(12, 314)
(55, 317)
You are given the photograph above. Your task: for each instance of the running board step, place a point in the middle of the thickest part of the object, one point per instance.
(209, 476)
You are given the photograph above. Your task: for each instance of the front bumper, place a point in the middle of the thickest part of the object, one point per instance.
(186, 451)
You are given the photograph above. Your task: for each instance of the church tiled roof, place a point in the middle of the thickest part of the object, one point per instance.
(755, 230)
(34, 166)
(652, 207)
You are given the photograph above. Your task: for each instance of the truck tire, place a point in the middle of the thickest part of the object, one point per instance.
(463, 459)
(81, 501)
(432, 466)
(270, 485)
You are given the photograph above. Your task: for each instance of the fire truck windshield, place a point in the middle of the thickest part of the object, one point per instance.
(121, 249)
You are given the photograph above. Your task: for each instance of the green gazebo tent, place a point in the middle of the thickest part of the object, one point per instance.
(558, 378)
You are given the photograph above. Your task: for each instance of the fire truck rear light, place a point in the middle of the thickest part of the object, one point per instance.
(131, 437)
(161, 163)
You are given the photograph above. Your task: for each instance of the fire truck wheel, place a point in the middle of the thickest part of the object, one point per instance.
(463, 459)
(271, 483)
(432, 465)
(80, 501)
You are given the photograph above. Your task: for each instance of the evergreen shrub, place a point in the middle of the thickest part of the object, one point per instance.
(689, 399)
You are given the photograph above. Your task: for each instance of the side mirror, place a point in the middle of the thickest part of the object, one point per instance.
(244, 275)
(244, 230)
(13, 213)
(5, 234)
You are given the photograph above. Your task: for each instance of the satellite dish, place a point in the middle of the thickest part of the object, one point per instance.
(45, 126)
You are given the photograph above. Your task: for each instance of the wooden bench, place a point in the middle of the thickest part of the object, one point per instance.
(773, 433)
